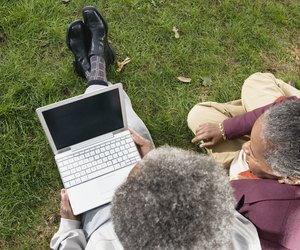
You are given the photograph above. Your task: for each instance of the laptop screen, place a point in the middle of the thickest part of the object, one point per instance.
(84, 119)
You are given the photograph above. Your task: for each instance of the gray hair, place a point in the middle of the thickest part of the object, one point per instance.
(178, 200)
(281, 134)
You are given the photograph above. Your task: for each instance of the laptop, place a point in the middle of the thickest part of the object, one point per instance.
(93, 148)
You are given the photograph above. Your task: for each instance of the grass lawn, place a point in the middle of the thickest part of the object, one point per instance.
(224, 41)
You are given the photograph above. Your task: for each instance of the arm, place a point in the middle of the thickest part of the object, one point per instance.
(212, 134)
(242, 124)
(234, 127)
(69, 236)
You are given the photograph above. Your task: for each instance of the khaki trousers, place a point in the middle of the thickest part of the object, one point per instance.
(258, 90)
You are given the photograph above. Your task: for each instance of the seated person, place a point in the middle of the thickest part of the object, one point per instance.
(266, 167)
(172, 199)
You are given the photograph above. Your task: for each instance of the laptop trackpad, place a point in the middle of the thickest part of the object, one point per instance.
(96, 192)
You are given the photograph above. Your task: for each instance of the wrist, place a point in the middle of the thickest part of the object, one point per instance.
(67, 225)
(221, 127)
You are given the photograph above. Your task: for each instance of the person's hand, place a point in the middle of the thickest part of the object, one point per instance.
(208, 134)
(65, 207)
(144, 146)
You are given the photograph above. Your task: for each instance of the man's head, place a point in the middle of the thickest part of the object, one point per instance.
(274, 148)
(176, 200)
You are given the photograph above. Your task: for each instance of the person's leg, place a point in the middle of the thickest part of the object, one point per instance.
(95, 218)
(212, 112)
(100, 55)
(99, 52)
(261, 89)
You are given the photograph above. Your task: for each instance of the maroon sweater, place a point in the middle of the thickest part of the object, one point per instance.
(241, 125)
(273, 208)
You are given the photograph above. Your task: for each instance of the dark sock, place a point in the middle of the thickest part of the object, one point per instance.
(87, 74)
(97, 82)
(98, 71)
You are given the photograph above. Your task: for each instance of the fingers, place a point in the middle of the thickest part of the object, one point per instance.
(66, 211)
(206, 144)
(138, 139)
(209, 133)
(64, 205)
(143, 145)
(133, 132)
(201, 136)
(135, 136)
(202, 128)
(203, 143)
(198, 138)
(64, 197)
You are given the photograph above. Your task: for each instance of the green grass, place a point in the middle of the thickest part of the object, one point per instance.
(224, 40)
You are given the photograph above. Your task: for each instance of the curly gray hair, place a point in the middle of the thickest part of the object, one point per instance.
(281, 134)
(178, 200)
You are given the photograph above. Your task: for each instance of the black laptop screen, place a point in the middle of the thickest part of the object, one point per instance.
(84, 119)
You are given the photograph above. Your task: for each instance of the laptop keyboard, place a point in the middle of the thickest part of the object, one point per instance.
(98, 160)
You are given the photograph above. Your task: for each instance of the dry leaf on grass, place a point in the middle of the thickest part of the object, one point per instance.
(45, 44)
(1, 37)
(122, 64)
(296, 52)
(175, 30)
(206, 81)
(184, 79)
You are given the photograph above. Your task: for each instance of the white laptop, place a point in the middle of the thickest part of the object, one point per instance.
(93, 148)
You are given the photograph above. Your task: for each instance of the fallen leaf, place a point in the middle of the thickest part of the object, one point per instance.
(296, 52)
(175, 30)
(206, 81)
(122, 64)
(45, 44)
(184, 79)
(1, 37)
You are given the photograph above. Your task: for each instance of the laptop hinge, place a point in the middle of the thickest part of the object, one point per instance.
(63, 150)
(92, 141)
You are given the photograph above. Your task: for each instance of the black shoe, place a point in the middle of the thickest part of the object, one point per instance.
(77, 39)
(98, 28)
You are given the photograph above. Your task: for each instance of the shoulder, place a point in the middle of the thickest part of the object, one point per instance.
(244, 234)
(273, 208)
(264, 189)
